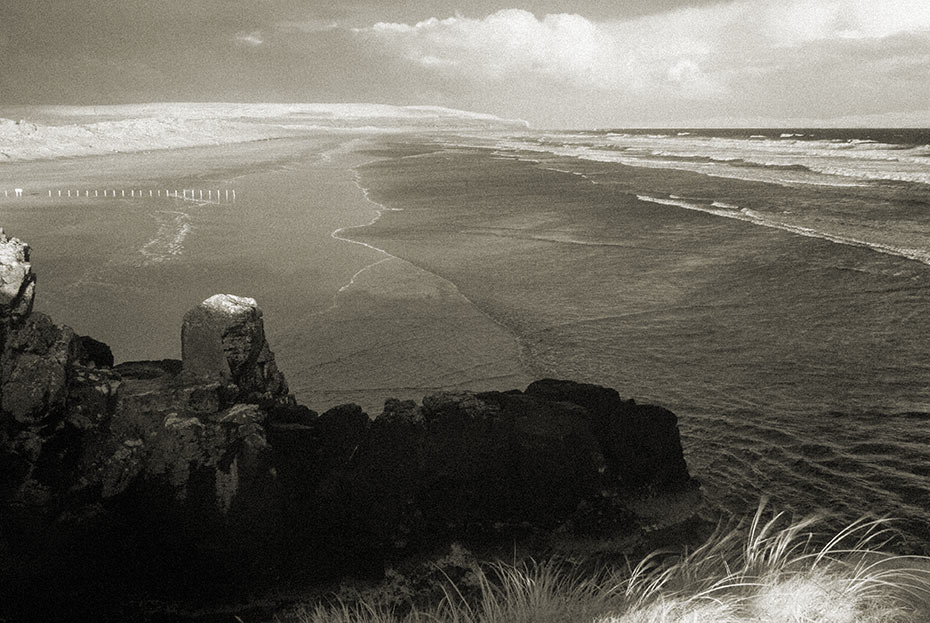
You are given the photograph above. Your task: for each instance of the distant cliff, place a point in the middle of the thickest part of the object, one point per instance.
(203, 476)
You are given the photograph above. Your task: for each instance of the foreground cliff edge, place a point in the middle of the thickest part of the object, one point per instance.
(185, 479)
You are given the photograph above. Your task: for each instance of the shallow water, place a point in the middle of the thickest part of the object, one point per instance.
(796, 363)
(347, 321)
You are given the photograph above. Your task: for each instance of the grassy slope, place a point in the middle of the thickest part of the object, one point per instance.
(762, 571)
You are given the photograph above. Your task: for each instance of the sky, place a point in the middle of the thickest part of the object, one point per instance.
(556, 64)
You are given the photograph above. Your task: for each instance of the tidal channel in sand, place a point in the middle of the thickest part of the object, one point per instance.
(348, 322)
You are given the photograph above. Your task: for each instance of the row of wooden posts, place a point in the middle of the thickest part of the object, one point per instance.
(192, 194)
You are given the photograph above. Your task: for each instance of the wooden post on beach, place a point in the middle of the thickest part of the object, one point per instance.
(201, 194)
(234, 195)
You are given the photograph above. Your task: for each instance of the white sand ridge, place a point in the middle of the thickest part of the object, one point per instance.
(43, 132)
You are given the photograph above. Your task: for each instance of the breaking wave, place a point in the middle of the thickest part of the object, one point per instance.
(751, 216)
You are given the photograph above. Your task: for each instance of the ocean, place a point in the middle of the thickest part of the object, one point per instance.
(770, 287)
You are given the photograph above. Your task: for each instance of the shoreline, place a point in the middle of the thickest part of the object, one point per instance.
(283, 242)
(429, 321)
(759, 339)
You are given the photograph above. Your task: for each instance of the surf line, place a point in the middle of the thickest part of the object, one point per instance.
(748, 216)
(338, 235)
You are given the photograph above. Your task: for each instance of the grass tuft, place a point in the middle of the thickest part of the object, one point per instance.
(771, 570)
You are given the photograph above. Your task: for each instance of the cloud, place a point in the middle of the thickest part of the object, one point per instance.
(637, 61)
(308, 26)
(797, 22)
(760, 56)
(563, 49)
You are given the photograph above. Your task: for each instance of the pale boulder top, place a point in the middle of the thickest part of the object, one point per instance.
(230, 304)
(14, 267)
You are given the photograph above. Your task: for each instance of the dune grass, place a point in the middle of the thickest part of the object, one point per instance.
(767, 570)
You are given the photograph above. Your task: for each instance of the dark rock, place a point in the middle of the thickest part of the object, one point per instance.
(175, 476)
(451, 404)
(401, 411)
(641, 443)
(34, 369)
(93, 352)
(149, 369)
(224, 338)
(508, 458)
(283, 414)
(17, 282)
(341, 432)
(91, 400)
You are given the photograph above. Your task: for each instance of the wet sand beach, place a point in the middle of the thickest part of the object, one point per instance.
(347, 321)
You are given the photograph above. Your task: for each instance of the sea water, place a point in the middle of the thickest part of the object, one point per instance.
(771, 287)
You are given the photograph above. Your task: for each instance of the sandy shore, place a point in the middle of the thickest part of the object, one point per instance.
(348, 322)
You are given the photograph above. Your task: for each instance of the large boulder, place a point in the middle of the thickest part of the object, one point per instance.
(224, 338)
(462, 463)
(17, 281)
(34, 369)
(641, 443)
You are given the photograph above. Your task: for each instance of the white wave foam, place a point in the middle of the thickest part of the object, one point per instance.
(785, 162)
(168, 242)
(338, 234)
(755, 218)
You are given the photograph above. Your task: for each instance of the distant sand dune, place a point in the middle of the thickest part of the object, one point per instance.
(43, 132)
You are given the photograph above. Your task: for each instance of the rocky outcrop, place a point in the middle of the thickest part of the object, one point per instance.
(641, 443)
(17, 282)
(224, 338)
(205, 475)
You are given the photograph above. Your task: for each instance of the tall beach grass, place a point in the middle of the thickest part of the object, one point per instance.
(769, 569)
